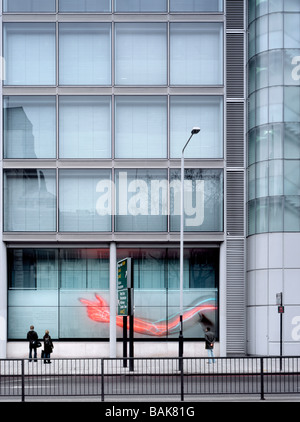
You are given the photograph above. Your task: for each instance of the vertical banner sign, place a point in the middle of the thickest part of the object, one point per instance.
(124, 277)
(122, 288)
(125, 306)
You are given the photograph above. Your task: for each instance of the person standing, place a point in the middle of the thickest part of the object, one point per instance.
(32, 337)
(209, 344)
(48, 347)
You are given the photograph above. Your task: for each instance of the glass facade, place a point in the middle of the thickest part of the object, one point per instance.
(104, 6)
(30, 200)
(29, 126)
(29, 52)
(84, 126)
(273, 117)
(89, 200)
(84, 54)
(67, 290)
(99, 98)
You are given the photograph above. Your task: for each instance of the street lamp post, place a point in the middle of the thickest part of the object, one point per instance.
(194, 131)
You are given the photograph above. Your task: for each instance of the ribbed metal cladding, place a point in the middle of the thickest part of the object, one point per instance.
(235, 291)
(235, 203)
(234, 14)
(235, 134)
(235, 179)
(235, 65)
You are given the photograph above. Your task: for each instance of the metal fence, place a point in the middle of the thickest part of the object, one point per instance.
(149, 377)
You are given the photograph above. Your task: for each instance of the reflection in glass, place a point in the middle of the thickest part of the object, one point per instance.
(203, 200)
(29, 127)
(204, 112)
(141, 200)
(84, 200)
(30, 200)
(68, 291)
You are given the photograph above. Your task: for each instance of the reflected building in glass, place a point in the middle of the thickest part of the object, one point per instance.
(99, 98)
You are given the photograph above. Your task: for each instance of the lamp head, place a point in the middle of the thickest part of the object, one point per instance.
(195, 130)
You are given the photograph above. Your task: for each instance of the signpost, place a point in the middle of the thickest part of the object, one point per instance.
(125, 305)
(280, 311)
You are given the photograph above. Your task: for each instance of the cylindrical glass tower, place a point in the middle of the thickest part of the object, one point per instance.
(273, 173)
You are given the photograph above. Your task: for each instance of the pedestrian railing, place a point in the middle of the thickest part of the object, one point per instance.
(132, 377)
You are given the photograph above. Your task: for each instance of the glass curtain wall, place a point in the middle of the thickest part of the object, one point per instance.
(67, 292)
(104, 6)
(274, 117)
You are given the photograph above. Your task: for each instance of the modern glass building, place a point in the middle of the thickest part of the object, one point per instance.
(99, 98)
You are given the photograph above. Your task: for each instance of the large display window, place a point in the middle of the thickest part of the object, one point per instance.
(67, 291)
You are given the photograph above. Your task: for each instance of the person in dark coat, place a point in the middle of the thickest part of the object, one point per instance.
(48, 347)
(32, 337)
(209, 344)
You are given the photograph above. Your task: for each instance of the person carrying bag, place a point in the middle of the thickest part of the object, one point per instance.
(48, 347)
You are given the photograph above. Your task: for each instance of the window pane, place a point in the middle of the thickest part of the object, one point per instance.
(262, 217)
(141, 54)
(261, 38)
(203, 200)
(275, 141)
(29, 125)
(275, 67)
(262, 65)
(84, 200)
(291, 177)
(32, 268)
(275, 104)
(291, 60)
(141, 200)
(29, 52)
(196, 53)
(292, 214)
(84, 6)
(84, 269)
(30, 200)
(292, 6)
(140, 5)
(275, 177)
(204, 112)
(262, 106)
(275, 31)
(292, 104)
(84, 54)
(196, 5)
(141, 127)
(29, 6)
(292, 140)
(276, 214)
(262, 177)
(261, 146)
(291, 30)
(84, 127)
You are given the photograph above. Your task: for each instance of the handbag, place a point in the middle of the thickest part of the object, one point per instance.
(42, 354)
(38, 344)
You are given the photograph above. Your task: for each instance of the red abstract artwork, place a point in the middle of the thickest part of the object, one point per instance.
(98, 311)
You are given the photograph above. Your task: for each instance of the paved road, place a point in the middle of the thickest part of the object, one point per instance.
(136, 388)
